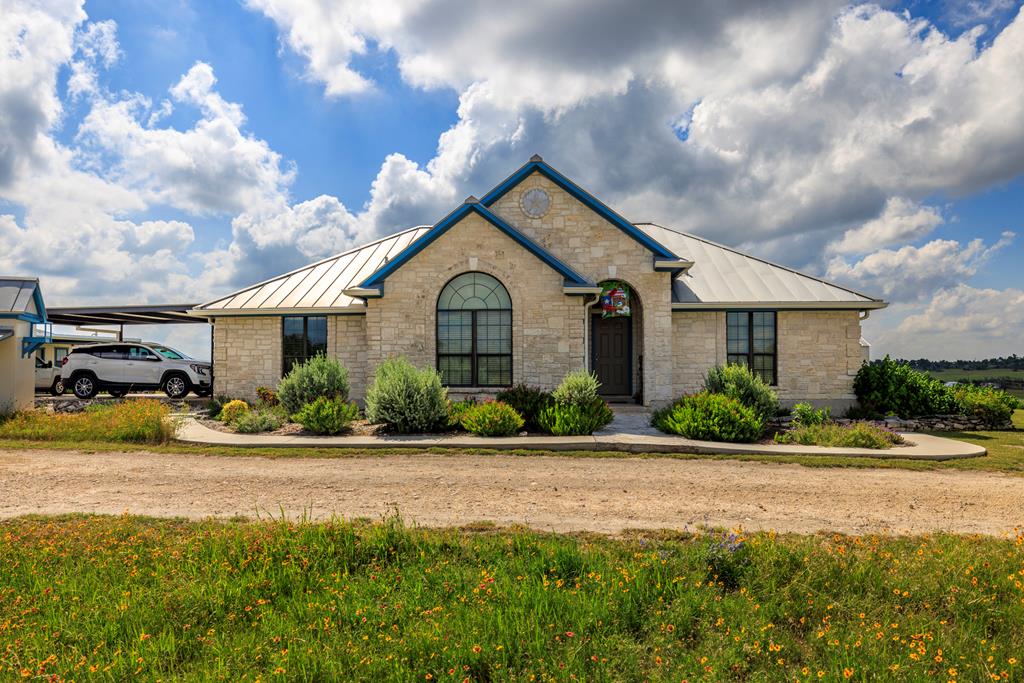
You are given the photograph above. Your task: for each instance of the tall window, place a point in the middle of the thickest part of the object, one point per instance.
(474, 332)
(303, 337)
(750, 340)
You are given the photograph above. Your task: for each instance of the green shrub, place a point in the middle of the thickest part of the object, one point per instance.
(738, 382)
(258, 421)
(855, 435)
(805, 414)
(711, 417)
(214, 406)
(575, 419)
(406, 399)
(528, 401)
(492, 418)
(456, 409)
(318, 376)
(578, 387)
(893, 388)
(327, 415)
(141, 421)
(994, 406)
(232, 410)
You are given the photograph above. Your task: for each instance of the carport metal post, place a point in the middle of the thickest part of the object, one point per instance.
(120, 332)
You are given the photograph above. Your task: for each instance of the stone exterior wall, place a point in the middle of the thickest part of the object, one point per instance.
(346, 341)
(698, 344)
(819, 353)
(246, 354)
(547, 325)
(600, 251)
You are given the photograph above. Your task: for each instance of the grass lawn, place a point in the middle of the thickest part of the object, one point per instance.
(1005, 452)
(119, 598)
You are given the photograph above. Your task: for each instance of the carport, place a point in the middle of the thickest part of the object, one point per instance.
(114, 316)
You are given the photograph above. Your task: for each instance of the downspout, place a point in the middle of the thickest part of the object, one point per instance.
(588, 303)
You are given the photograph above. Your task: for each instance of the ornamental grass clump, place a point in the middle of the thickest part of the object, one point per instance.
(738, 382)
(405, 399)
(142, 421)
(327, 415)
(318, 376)
(492, 418)
(710, 417)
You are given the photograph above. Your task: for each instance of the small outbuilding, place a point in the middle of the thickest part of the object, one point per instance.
(23, 329)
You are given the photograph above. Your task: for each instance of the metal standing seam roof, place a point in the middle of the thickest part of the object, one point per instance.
(16, 295)
(721, 275)
(320, 285)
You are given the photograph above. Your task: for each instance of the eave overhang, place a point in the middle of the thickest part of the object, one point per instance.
(778, 305)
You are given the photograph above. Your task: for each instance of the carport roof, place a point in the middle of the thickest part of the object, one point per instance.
(148, 314)
(18, 295)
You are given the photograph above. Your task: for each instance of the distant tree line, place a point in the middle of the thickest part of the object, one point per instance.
(1013, 362)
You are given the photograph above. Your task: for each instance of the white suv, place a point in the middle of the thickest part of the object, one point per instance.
(120, 368)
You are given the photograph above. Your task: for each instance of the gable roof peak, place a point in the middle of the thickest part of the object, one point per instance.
(471, 199)
(536, 157)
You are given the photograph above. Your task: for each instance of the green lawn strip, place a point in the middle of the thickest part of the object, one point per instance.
(1005, 452)
(129, 598)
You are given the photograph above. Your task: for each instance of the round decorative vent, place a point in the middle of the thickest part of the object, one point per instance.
(535, 203)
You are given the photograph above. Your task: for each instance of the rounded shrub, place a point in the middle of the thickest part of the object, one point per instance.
(232, 410)
(994, 406)
(889, 387)
(456, 409)
(255, 421)
(318, 376)
(711, 417)
(405, 399)
(492, 418)
(738, 382)
(578, 387)
(804, 414)
(528, 401)
(575, 419)
(327, 415)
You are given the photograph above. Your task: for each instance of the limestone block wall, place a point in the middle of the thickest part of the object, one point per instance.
(819, 353)
(600, 251)
(698, 343)
(246, 355)
(547, 325)
(346, 341)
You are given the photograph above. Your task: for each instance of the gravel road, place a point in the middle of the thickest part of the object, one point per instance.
(549, 493)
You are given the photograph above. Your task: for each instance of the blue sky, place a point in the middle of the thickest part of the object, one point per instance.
(179, 150)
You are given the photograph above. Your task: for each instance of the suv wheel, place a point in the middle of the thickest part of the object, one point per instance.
(84, 386)
(58, 387)
(177, 386)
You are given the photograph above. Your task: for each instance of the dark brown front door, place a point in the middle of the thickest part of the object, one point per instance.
(612, 355)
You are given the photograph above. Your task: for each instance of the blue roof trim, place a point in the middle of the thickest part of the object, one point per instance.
(589, 200)
(376, 280)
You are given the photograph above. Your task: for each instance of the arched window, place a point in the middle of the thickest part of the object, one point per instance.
(474, 332)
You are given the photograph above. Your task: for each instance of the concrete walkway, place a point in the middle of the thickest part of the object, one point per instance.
(630, 431)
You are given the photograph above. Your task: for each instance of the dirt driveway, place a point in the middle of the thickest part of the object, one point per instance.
(549, 493)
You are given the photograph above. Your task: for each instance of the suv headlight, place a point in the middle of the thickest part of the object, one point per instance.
(198, 369)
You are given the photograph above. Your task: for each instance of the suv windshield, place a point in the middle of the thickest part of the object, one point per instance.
(170, 353)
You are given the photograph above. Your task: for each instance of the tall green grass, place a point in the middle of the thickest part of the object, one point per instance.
(136, 599)
(142, 421)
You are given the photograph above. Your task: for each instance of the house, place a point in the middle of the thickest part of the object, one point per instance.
(23, 329)
(537, 278)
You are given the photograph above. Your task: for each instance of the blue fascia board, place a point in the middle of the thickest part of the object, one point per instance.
(24, 317)
(40, 306)
(587, 199)
(376, 280)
